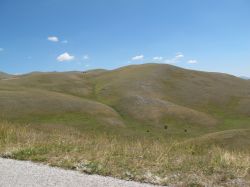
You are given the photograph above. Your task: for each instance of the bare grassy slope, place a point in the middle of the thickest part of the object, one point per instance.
(154, 123)
(164, 91)
(48, 97)
(233, 140)
(4, 75)
(166, 82)
(152, 94)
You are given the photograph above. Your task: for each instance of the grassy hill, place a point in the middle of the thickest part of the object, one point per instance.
(154, 96)
(4, 75)
(160, 107)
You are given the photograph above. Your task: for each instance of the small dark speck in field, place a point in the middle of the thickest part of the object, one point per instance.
(185, 130)
(166, 127)
(147, 130)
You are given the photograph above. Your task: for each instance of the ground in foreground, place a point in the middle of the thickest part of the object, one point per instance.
(151, 160)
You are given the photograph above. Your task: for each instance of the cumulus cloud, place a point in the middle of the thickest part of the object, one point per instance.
(175, 59)
(158, 58)
(192, 62)
(65, 57)
(85, 57)
(53, 39)
(137, 58)
(1, 49)
(179, 55)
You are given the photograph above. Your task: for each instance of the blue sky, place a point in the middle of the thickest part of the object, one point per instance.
(64, 35)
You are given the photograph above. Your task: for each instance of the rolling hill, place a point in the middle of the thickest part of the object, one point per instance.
(137, 96)
(4, 75)
(153, 123)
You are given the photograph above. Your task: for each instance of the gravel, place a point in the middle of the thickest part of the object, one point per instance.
(26, 174)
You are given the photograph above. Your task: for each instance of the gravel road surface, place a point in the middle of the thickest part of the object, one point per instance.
(26, 174)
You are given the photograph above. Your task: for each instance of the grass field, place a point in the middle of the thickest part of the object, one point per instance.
(154, 123)
(199, 162)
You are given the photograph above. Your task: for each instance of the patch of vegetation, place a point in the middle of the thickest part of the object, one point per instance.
(128, 157)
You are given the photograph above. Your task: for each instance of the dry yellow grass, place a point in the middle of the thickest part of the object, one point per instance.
(140, 159)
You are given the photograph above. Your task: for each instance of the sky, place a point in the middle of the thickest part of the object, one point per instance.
(66, 35)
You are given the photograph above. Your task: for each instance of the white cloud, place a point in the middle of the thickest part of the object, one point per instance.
(176, 59)
(158, 58)
(179, 55)
(65, 41)
(137, 58)
(86, 57)
(65, 57)
(192, 62)
(53, 39)
(1, 49)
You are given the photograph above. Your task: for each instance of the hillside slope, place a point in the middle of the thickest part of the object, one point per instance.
(4, 75)
(165, 94)
(156, 95)
(152, 123)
